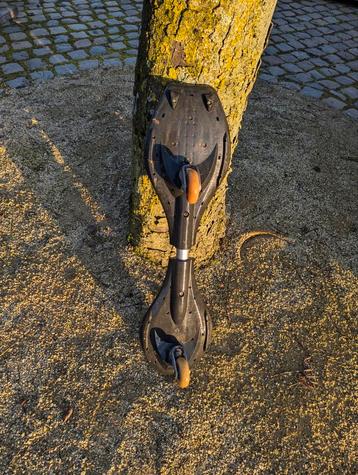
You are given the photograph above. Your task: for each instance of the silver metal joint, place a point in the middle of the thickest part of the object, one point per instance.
(182, 254)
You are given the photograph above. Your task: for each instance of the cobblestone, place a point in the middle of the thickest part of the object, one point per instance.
(100, 41)
(78, 35)
(20, 55)
(344, 80)
(97, 50)
(42, 75)
(352, 113)
(35, 63)
(56, 30)
(17, 36)
(66, 69)
(311, 92)
(78, 54)
(88, 64)
(78, 27)
(12, 68)
(313, 47)
(118, 45)
(82, 43)
(42, 51)
(64, 48)
(130, 61)
(324, 38)
(334, 103)
(42, 42)
(329, 84)
(61, 38)
(352, 92)
(18, 82)
(111, 62)
(132, 35)
(20, 45)
(133, 43)
(58, 59)
(276, 71)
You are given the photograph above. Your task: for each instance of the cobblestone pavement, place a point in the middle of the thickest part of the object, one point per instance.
(313, 47)
(53, 38)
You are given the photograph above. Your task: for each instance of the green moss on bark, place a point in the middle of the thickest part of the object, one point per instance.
(216, 42)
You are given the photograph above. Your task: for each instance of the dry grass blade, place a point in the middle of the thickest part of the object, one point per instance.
(68, 414)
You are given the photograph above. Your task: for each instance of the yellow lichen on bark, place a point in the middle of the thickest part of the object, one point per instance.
(215, 42)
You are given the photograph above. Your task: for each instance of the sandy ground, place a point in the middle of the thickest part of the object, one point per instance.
(275, 392)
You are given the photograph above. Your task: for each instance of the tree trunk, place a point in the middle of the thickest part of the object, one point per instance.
(215, 42)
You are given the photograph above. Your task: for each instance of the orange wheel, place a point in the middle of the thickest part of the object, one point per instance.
(183, 372)
(193, 185)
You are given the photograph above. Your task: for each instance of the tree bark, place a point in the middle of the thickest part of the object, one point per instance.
(215, 42)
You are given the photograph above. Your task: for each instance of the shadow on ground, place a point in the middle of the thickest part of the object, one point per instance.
(273, 394)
